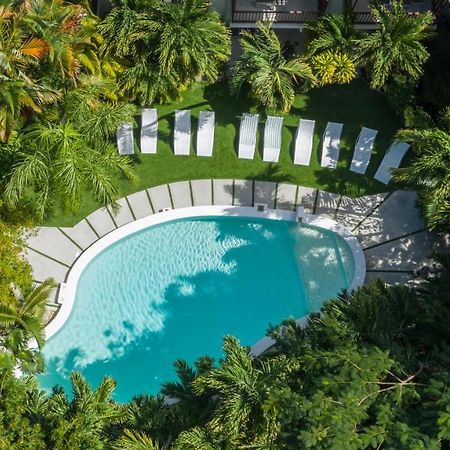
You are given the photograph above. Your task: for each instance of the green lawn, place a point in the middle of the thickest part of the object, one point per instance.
(355, 105)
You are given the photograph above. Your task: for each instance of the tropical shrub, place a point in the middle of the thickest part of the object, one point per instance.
(333, 67)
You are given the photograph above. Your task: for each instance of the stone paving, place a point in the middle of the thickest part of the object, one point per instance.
(388, 226)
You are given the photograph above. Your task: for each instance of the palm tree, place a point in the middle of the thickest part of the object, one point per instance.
(395, 48)
(16, 96)
(192, 39)
(197, 438)
(271, 77)
(168, 45)
(24, 321)
(135, 440)
(96, 119)
(333, 32)
(241, 385)
(59, 164)
(429, 172)
(195, 408)
(83, 420)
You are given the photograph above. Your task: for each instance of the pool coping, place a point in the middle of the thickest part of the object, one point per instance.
(67, 291)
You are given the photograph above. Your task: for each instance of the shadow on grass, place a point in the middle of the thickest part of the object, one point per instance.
(347, 183)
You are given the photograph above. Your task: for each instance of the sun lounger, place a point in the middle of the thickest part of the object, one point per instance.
(247, 135)
(363, 150)
(303, 142)
(149, 130)
(125, 139)
(330, 145)
(391, 160)
(205, 133)
(182, 134)
(272, 138)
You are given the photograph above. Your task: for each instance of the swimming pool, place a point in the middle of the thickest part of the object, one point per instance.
(173, 290)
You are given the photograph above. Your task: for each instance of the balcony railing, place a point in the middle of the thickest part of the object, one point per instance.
(275, 16)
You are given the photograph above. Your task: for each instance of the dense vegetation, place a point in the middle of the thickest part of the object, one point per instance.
(371, 371)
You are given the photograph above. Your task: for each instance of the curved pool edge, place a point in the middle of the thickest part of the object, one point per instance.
(67, 291)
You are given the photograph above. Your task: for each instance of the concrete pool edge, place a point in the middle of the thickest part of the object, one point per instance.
(66, 296)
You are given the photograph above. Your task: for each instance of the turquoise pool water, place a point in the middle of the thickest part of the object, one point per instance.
(174, 290)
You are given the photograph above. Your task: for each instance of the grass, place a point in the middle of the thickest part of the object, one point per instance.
(355, 105)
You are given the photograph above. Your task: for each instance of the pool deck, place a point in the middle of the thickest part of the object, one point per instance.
(388, 226)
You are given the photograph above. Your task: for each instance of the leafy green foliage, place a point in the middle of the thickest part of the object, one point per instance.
(333, 67)
(272, 78)
(396, 47)
(334, 33)
(59, 163)
(168, 46)
(429, 170)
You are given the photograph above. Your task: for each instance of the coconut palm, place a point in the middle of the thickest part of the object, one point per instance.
(429, 171)
(262, 66)
(332, 32)
(395, 47)
(59, 164)
(241, 386)
(21, 322)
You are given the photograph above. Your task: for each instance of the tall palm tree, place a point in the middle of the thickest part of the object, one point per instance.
(24, 321)
(333, 32)
(168, 45)
(429, 172)
(241, 385)
(192, 39)
(271, 77)
(59, 164)
(395, 47)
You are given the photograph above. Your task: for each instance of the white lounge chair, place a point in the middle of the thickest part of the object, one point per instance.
(205, 133)
(125, 139)
(330, 144)
(303, 142)
(149, 130)
(391, 160)
(272, 138)
(247, 135)
(182, 133)
(363, 150)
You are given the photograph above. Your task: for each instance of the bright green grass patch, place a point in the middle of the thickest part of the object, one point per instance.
(355, 105)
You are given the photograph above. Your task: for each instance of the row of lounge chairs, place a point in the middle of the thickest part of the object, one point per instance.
(272, 141)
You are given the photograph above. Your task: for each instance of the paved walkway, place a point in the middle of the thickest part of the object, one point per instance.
(389, 225)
